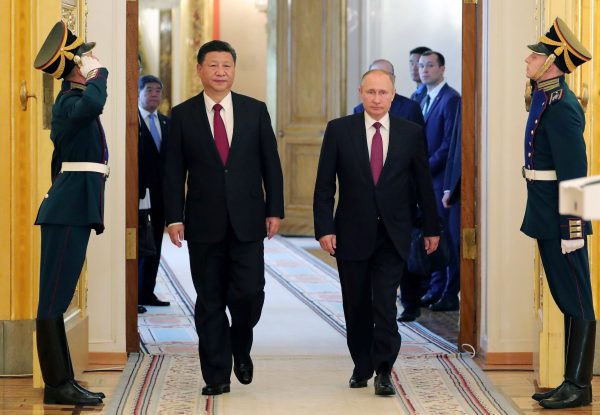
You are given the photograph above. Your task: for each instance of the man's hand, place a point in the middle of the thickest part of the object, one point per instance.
(176, 234)
(569, 245)
(446, 199)
(88, 63)
(328, 244)
(431, 243)
(273, 224)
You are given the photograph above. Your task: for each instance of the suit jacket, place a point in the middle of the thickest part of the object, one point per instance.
(345, 156)
(218, 194)
(150, 165)
(439, 124)
(419, 94)
(453, 164)
(554, 141)
(402, 107)
(76, 197)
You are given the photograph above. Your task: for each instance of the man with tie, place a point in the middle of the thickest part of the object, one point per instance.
(153, 127)
(402, 107)
(375, 159)
(222, 149)
(413, 66)
(440, 106)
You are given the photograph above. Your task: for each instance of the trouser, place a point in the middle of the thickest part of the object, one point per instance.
(369, 299)
(226, 274)
(148, 265)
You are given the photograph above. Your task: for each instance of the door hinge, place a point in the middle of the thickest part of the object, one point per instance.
(469, 243)
(131, 243)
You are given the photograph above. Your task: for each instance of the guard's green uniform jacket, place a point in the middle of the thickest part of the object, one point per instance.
(553, 141)
(77, 198)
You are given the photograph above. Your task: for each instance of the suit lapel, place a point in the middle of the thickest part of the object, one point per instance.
(359, 134)
(145, 134)
(436, 101)
(200, 118)
(238, 114)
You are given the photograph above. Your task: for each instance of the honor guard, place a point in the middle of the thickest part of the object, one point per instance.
(555, 151)
(74, 204)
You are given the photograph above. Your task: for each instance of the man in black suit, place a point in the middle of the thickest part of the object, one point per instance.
(375, 159)
(153, 128)
(224, 143)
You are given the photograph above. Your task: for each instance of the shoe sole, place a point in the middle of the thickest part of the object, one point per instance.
(226, 389)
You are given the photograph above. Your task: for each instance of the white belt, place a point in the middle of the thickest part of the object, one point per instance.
(544, 175)
(85, 166)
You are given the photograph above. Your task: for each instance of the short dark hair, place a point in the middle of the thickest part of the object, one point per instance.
(419, 50)
(440, 57)
(148, 79)
(215, 46)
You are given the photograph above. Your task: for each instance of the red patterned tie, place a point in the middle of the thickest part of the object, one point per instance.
(220, 134)
(376, 153)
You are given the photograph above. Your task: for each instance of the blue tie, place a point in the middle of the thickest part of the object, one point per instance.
(426, 104)
(154, 131)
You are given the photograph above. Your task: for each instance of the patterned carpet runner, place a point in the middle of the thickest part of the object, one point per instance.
(430, 376)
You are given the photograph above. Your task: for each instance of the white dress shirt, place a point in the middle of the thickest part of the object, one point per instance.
(226, 114)
(146, 117)
(434, 93)
(384, 130)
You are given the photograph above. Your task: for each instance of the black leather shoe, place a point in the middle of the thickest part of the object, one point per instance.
(215, 389)
(244, 372)
(153, 302)
(383, 385)
(538, 396)
(409, 315)
(356, 382)
(427, 300)
(445, 304)
(141, 309)
(569, 395)
(100, 395)
(68, 394)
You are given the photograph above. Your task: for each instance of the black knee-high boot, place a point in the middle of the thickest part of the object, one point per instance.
(55, 365)
(576, 390)
(538, 396)
(65, 346)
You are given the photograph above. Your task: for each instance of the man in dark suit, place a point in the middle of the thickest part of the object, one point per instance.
(402, 107)
(153, 128)
(73, 205)
(451, 202)
(224, 144)
(375, 158)
(439, 109)
(555, 150)
(413, 66)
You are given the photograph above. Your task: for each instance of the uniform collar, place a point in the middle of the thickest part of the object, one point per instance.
(68, 85)
(552, 84)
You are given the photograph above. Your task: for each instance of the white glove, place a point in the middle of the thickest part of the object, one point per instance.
(88, 64)
(570, 245)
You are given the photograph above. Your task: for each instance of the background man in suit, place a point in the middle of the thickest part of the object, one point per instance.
(224, 143)
(375, 158)
(73, 205)
(402, 107)
(153, 127)
(439, 109)
(413, 67)
(555, 151)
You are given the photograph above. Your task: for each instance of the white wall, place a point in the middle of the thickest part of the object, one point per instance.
(106, 253)
(389, 29)
(507, 263)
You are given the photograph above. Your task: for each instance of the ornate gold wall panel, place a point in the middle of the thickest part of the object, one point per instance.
(310, 91)
(196, 29)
